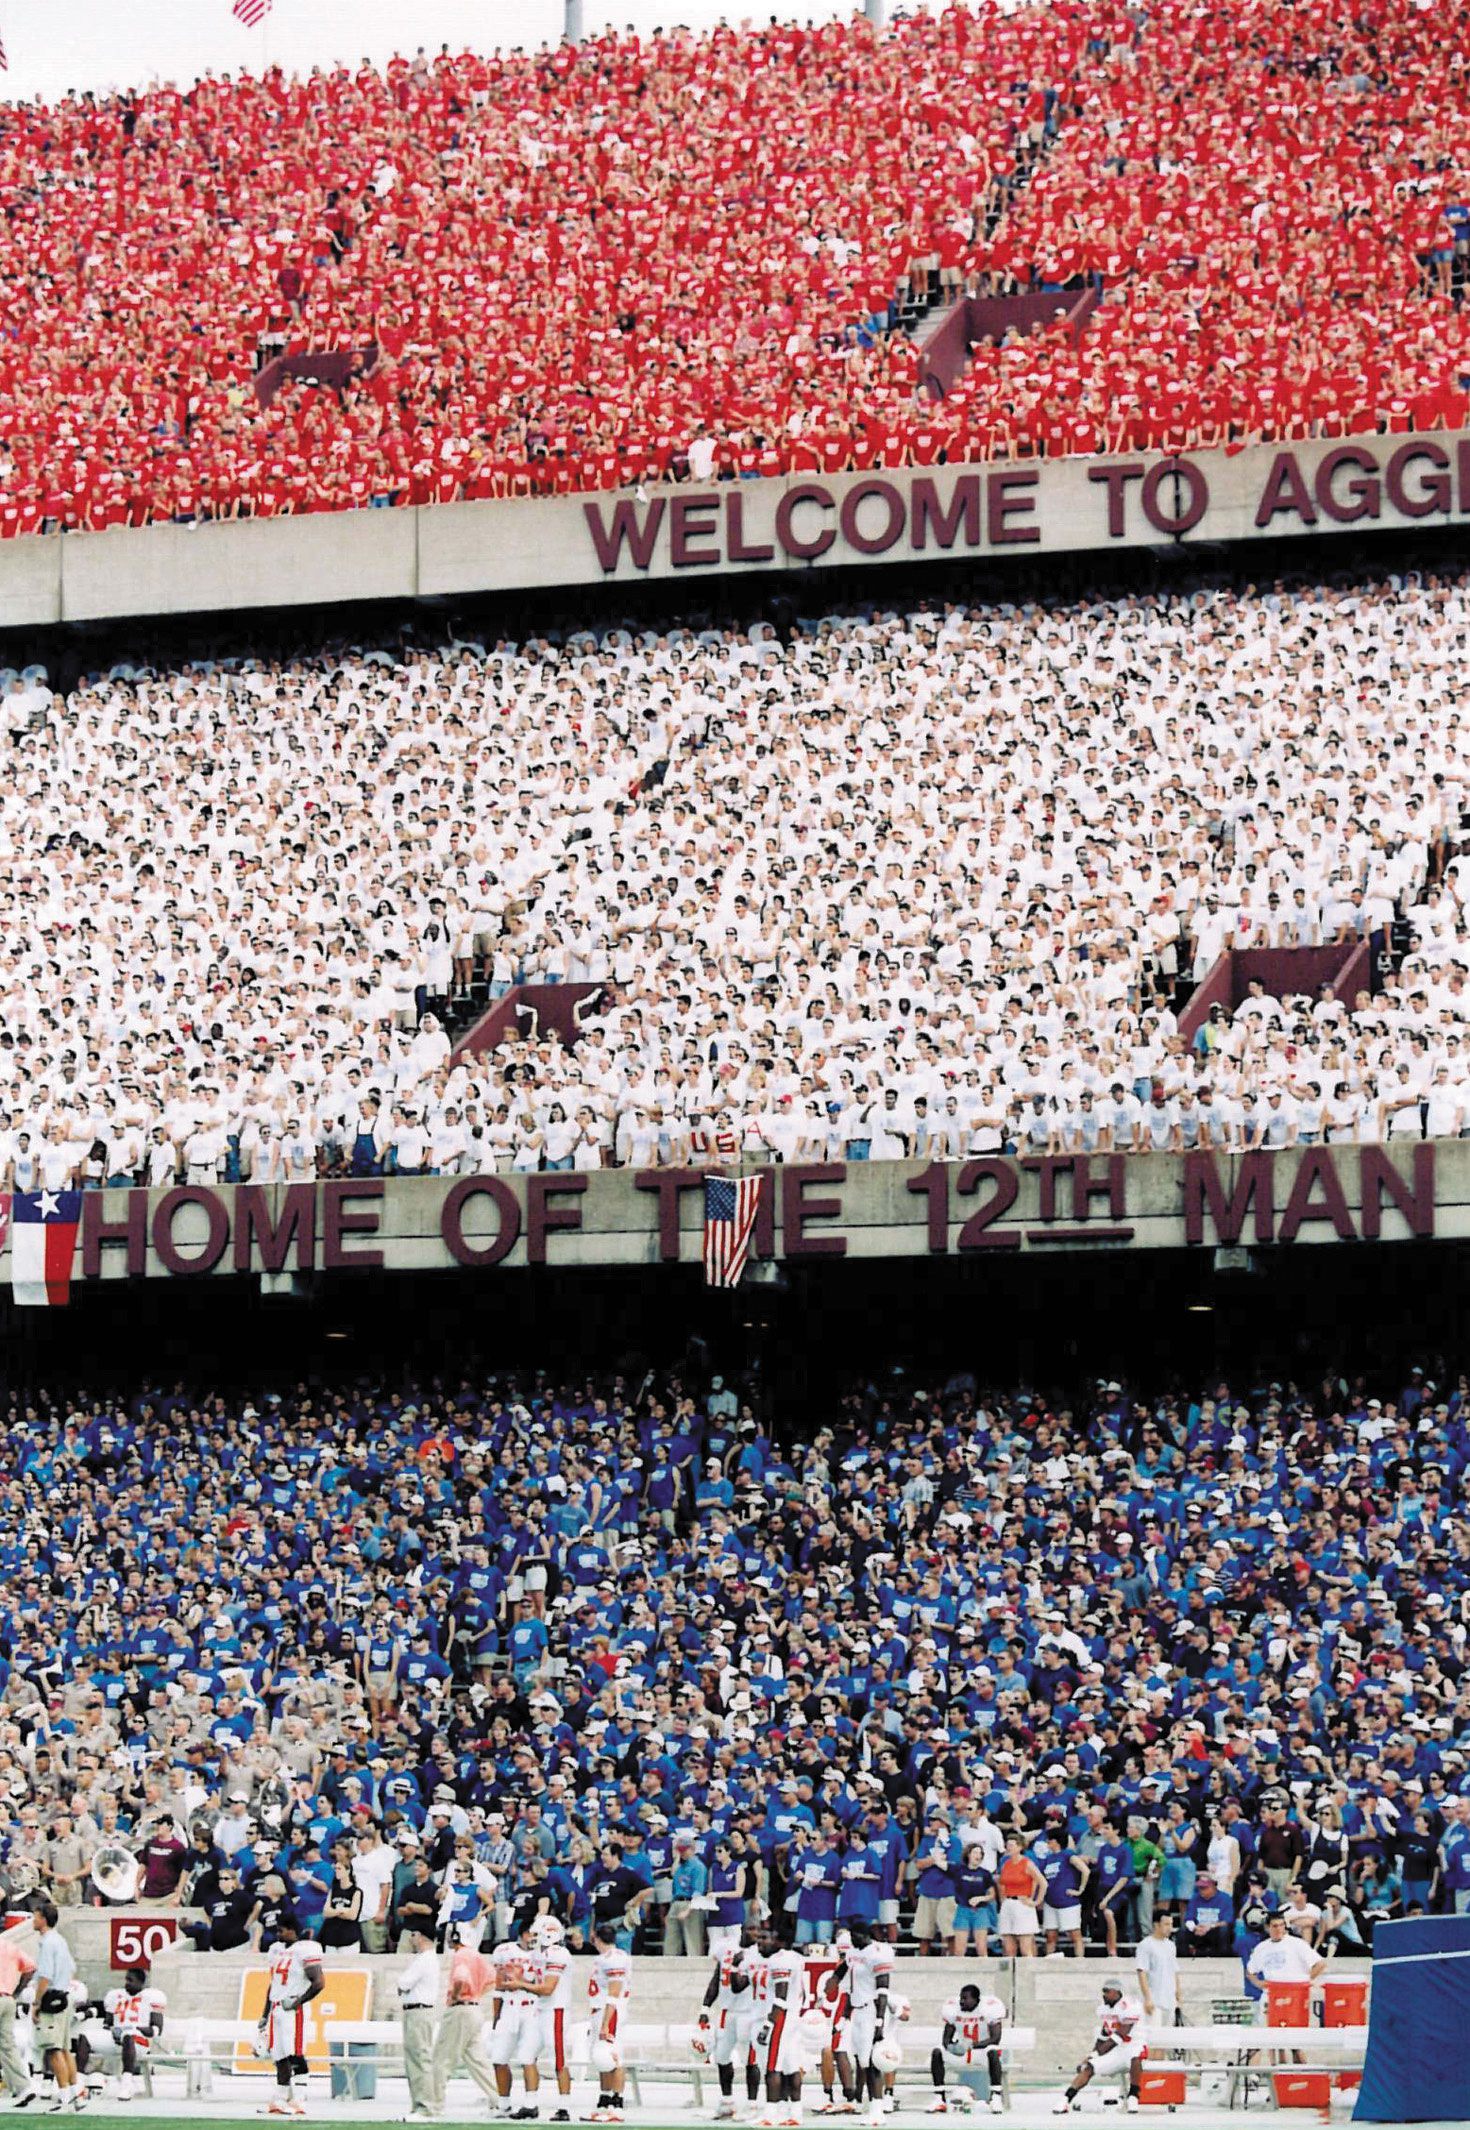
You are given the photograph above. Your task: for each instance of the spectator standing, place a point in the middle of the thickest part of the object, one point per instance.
(372, 1871)
(936, 1871)
(1022, 1890)
(341, 1929)
(1283, 1957)
(1115, 1881)
(684, 1929)
(1455, 1856)
(1279, 1848)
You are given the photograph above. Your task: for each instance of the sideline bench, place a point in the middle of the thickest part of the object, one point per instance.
(199, 2047)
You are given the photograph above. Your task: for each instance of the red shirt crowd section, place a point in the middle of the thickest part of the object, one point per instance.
(1263, 189)
(577, 265)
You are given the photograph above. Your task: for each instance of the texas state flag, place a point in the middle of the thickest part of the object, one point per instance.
(43, 1241)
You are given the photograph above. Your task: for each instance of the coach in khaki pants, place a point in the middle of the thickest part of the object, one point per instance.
(458, 2045)
(418, 1993)
(16, 1968)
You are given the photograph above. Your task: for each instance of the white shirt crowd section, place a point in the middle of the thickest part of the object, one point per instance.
(913, 885)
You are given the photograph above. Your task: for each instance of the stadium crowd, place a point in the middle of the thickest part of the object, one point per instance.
(473, 1650)
(931, 883)
(649, 258)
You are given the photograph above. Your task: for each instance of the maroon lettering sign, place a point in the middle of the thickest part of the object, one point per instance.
(1009, 495)
(351, 1209)
(1174, 494)
(875, 515)
(692, 522)
(294, 1228)
(928, 514)
(737, 547)
(508, 1218)
(1415, 480)
(670, 1186)
(1360, 496)
(542, 1217)
(98, 1232)
(136, 1941)
(216, 1224)
(797, 1209)
(1217, 1208)
(1360, 480)
(1189, 497)
(1079, 1199)
(803, 547)
(995, 1180)
(893, 520)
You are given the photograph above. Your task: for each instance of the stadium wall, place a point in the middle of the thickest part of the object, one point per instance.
(854, 520)
(1048, 1205)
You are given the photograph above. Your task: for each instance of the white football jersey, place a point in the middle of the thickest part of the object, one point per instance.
(1120, 2018)
(516, 1965)
(288, 1969)
(557, 1961)
(973, 2027)
(130, 2013)
(612, 1976)
(866, 1965)
(786, 1978)
(729, 1965)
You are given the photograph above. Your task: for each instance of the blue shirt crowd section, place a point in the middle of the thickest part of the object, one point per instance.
(1203, 1649)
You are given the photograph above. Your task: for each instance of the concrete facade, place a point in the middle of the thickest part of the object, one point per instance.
(796, 523)
(901, 1209)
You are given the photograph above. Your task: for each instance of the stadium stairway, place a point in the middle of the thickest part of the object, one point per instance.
(526, 1011)
(1282, 972)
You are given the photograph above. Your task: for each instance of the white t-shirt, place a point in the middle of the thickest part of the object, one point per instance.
(1289, 1960)
(1157, 1960)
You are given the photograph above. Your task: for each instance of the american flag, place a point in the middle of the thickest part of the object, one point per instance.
(729, 1223)
(251, 12)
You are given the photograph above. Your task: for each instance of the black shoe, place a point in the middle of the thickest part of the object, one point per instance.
(561, 2116)
(525, 2115)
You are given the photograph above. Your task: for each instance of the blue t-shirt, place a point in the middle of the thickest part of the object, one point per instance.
(819, 1877)
(1212, 1911)
(862, 1884)
(1114, 1866)
(938, 1860)
(1063, 1880)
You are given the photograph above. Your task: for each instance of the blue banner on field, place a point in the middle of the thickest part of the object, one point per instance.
(1418, 2066)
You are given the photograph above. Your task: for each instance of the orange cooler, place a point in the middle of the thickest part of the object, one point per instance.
(1345, 2003)
(1288, 2004)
